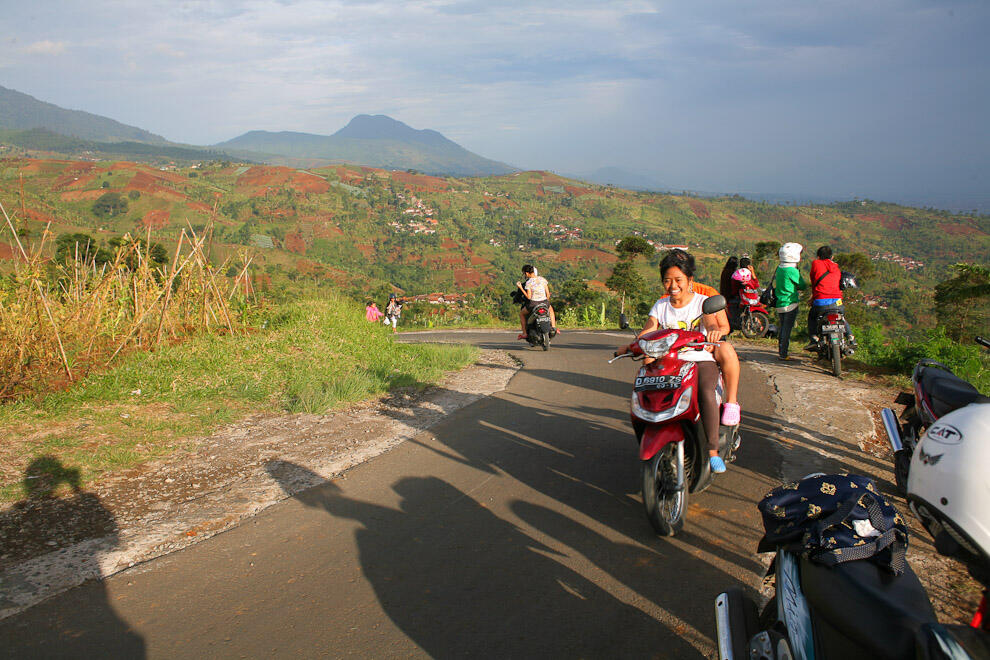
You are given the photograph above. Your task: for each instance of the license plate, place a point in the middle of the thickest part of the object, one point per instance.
(645, 383)
(832, 328)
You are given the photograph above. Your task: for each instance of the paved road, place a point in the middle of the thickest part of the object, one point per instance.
(512, 529)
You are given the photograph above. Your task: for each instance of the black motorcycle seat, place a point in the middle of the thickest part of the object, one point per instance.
(876, 610)
(948, 391)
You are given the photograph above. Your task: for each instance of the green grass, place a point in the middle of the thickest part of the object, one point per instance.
(310, 356)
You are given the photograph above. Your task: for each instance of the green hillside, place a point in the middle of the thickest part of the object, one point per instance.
(19, 111)
(368, 231)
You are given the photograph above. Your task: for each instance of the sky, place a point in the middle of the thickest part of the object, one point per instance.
(886, 99)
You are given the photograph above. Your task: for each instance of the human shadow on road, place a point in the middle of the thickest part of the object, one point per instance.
(79, 622)
(462, 582)
(670, 577)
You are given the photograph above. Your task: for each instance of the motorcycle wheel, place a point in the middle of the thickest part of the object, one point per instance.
(545, 341)
(665, 507)
(836, 360)
(755, 324)
(902, 465)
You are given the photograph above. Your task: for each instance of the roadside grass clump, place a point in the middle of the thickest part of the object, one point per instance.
(306, 357)
(65, 317)
(899, 354)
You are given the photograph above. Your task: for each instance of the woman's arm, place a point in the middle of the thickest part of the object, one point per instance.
(717, 325)
(651, 325)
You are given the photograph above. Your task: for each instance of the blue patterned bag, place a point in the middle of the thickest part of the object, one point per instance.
(834, 518)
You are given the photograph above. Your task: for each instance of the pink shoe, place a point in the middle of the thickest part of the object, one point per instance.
(730, 414)
(521, 335)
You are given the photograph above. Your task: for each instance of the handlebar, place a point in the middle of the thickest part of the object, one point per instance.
(983, 341)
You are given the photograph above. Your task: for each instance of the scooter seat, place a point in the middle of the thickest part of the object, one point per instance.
(948, 391)
(859, 605)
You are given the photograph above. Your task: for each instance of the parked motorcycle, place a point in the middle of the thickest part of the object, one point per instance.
(673, 448)
(852, 609)
(832, 344)
(753, 320)
(936, 392)
(539, 329)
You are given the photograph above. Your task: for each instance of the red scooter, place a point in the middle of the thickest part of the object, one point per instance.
(754, 319)
(666, 417)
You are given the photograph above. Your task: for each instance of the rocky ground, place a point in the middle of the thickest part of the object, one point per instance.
(48, 545)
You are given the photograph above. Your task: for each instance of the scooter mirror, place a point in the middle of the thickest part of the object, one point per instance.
(623, 322)
(713, 304)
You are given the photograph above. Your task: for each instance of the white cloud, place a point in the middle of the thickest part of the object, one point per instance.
(45, 47)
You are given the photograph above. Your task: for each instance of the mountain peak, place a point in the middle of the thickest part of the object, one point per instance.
(382, 127)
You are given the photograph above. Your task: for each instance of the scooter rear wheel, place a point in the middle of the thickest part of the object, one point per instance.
(755, 324)
(836, 360)
(666, 507)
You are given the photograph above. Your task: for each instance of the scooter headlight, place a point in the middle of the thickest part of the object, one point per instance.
(683, 403)
(657, 348)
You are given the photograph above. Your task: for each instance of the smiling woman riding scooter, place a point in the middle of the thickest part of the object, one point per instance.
(678, 310)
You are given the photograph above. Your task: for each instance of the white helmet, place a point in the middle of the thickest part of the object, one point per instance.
(948, 486)
(790, 253)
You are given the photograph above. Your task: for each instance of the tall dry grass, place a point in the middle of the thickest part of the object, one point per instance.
(62, 319)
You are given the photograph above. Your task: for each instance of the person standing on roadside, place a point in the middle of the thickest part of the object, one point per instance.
(788, 284)
(372, 313)
(393, 310)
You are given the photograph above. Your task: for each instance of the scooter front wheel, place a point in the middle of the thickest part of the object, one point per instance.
(666, 506)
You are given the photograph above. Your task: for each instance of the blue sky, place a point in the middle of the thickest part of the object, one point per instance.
(886, 99)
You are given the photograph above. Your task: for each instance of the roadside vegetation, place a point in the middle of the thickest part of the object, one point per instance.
(307, 356)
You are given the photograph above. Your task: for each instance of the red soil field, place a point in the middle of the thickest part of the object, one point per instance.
(6, 251)
(479, 261)
(144, 182)
(38, 216)
(326, 230)
(295, 242)
(262, 178)
(155, 219)
(699, 209)
(957, 229)
(448, 244)
(365, 249)
(77, 195)
(420, 182)
(199, 206)
(468, 278)
(452, 260)
(307, 267)
(894, 222)
(575, 254)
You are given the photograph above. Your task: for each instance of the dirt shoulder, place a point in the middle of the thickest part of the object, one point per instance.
(49, 545)
(834, 426)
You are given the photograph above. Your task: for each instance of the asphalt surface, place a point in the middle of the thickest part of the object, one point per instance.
(513, 528)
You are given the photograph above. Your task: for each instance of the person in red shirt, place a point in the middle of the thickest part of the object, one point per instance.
(825, 292)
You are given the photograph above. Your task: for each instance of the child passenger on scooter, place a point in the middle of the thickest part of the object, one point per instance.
(681, 309)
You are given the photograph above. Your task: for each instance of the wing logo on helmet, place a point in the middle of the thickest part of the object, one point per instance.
(945, 434)
(928, 459)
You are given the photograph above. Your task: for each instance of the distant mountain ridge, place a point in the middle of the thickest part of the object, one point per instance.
(374, 141)
(19, 111)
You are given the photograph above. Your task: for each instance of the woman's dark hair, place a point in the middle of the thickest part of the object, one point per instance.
(527, 269)
(725, 279)
(680, 259)
(745, 262)
(824, 252)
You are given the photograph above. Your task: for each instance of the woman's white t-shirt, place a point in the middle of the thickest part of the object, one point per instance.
(673, 318)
